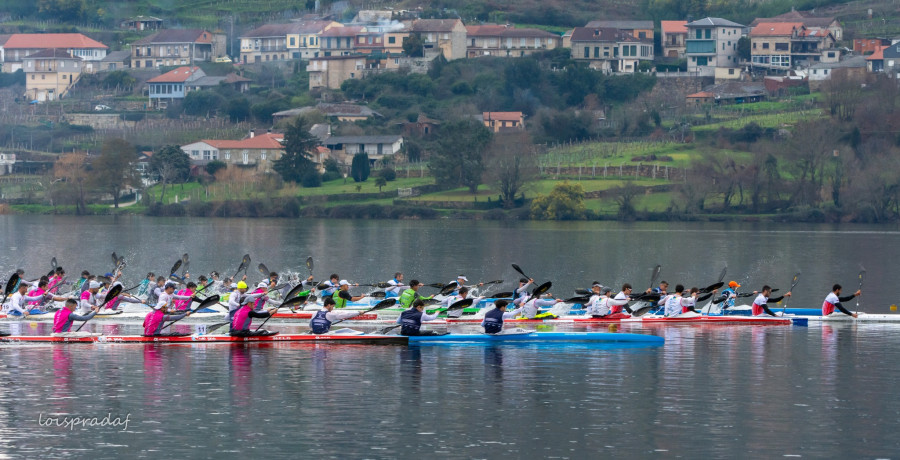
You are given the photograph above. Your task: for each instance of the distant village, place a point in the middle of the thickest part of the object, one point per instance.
(795, 48)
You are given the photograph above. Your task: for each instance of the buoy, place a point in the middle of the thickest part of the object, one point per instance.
(893, 308)
(613, 328)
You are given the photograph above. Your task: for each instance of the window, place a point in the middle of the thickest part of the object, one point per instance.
(765, 46)
(831, 54)
(207, 155)
(596, 51)
(393, 40)
(699, 34)
(642, 34)
(730, 71)
(587, 52)
(195, 153)
(293, 41)
(781, 47)
(708, 33)
(262, 156)
(245, 157)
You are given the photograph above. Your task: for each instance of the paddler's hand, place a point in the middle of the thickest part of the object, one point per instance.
(273, 310)
(189, 313)
(788, 294)
(857, 293)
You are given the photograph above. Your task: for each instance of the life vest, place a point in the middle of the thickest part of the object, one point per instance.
(54, 280)
(410, 321)
(183, 304)
(242, 320)
(406, 299)
(33, 293)
(61, 321)
(338, 301)
(758, 309)
(320, 324)
(493, 321)
(153, 321)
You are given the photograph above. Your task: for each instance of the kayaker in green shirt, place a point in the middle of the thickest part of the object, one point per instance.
(411, 294)
(342, 295)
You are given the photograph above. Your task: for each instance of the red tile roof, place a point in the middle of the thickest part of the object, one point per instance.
(878, 55)
(485, 30)
(179, 75)
(262, 141)
(33, 41)
(771, 29)
(701, 94)
(346, 31)
(674, 27)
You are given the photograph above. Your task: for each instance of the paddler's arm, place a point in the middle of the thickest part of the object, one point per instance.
(76, 317)
(512, 314)
(339, 315)
(432, 317)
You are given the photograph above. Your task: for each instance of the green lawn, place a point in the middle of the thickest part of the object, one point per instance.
(771, 120)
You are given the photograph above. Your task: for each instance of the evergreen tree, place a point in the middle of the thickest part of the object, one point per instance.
(298, 147)
(359, 168)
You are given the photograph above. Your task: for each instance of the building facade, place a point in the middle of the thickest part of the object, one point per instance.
(177, 47)
(50, 74)
(20, 46)
(711, 43)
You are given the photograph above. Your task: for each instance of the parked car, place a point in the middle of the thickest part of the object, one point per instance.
(101, 108)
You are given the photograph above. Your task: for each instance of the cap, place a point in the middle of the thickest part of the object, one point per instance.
(241, 285)
(462, 277)
(605, 290)
(523, 280)
(597, 285)
(108, 275)
(344, 282)
(262, 284)
(94, 285)
(234, 286)
(169, 284)
(733, 284)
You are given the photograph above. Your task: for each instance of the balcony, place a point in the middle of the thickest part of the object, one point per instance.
(701, 47)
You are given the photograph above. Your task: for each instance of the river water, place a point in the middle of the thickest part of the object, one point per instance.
(715, 392)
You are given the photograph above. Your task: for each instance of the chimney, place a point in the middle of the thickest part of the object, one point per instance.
(252, 133)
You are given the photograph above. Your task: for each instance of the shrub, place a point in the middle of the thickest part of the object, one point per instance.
(311, 179)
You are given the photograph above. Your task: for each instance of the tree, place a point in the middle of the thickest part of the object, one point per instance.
(113, 170)
(565, 202)
(71, 168)
(624, 196)
(458, 159)
(298, 147)
(238, 109)
(215, 166)
(119, 79)
(201, 103)
(413, 46)
(359, 168)
(170, 166)
(743, 48)
(511, 165)
(380, 182)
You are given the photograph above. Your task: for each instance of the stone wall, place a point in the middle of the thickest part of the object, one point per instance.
(99, 120)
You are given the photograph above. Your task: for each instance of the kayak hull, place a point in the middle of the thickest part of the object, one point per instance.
(723, 320)
(335, 338)
(537, 337)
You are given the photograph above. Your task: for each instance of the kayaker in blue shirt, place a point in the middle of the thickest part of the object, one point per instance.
(493, 320)
(411, 320)
(321, 322)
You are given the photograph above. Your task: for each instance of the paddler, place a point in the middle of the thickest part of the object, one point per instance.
(188, 292)
(521, 293)
(116, 301)
(343, 295)
(397, 286)
(168, 297)
(81, 285)
(411, 320)
(728, 295)
(532, 308)
(332, 285)
(62, 320)
(243, 317)
(16, 305)
(461, 281)
(262, 288)
(321, 322)
(674, 303)
(833, 301)
(493, 320)
(411, 294)
(239, 298)
(760, 304)
(156, 319)
(463, 294)
(56, 279)
(617, 304)
(596, 306)
(34, 306)
(88, 298)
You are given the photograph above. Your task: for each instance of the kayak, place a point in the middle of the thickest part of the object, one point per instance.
(862, 318)
(342, 338)
(310, 314)
(536, 337)
(730, 320)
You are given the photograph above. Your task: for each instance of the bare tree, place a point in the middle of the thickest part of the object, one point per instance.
(70, 168)
(511, 164)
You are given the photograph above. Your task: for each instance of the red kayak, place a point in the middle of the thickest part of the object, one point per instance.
(310, 314)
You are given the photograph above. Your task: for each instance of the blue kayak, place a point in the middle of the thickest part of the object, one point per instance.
(596, 337)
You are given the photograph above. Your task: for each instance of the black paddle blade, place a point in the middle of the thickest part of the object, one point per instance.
(112, 294)
(722, 275)
(263, 269)
(712, 287)
(50, 273)
(382, 285)
(294, 291)
(540, 290)
(386, 303)
(431, 301)
(211, 300)
(11, 284)
(344, 295)
(115, 259)
(449, 288)
(378, 294)
(516, 268)
(583, 292)
(464, 303)
(294, 301)
(439, 285)
(494, 282)
(53, 263)
(323, 287)
(580, 299)
(655, 275)
(704, 297)
(642, 311)
(244, 262)
(309, 265)
(501, 295)
(175, 267)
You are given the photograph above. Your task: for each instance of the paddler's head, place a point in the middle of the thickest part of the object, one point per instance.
(85, 274)
(60, 271)
(334, 278)
(766, 290)
(398, 276)
(242, 287)
(328, 303)
(679, 289)
(192, 285)
(94, 287)
(836, 289)
(463, 292)
(71, 304)
(414, 285)
(419, 304)
(501, 305)
(170, 288)
(626, 288)
(22, 288)
(523, 281)
(273, 277)
(42, 284)
(461, 279)
(345, 285)
(596, 287)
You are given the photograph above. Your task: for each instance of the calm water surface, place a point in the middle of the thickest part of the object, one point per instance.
(709, 392)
